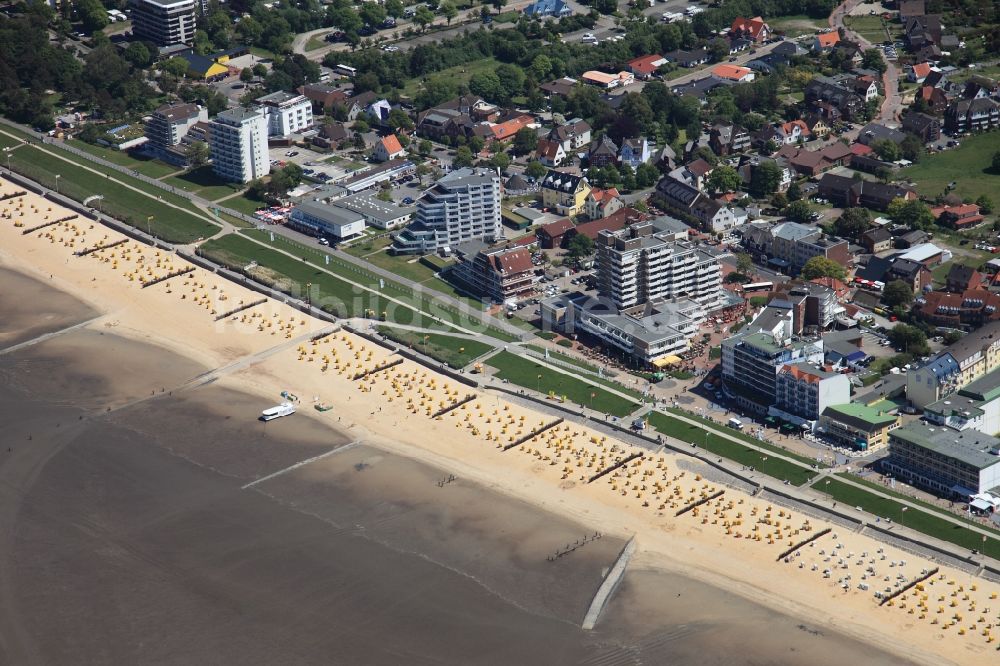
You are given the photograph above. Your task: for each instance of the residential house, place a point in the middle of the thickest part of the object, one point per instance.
(564, 192)
(727, 139)
(603, 152)
(874, 132)
(550, 153)
(922, 31)
(885, 270)
(825, 41)
(754, 28)
(496, 274)
(552, 235)
(617, 220)
(964, 216)
(694, 173)
(560, 87)
(846, 192)
(693, 58)
(836, 93)
(359, 104)
(603, 203)
(782, 134)
(607, 81)
(910, 9)
(572, 135)
(971, 115)
(936, 99)
(736, 73)
(962, 278)
(918, 72)
(922, 125)
(817, 125)
(635, 152)
(332, 136)
(872, 164)
(387, 149)
(814, 162)
(715, 216)
(957, 365)
(323, 97)
(646, 66)
(876, 240)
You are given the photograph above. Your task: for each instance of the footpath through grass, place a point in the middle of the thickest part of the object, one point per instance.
(454, 352)
(916, 519)
(204, 183)
(528, 374)
(420, 300)
(133, 208)
(721, 446)
(145, 166)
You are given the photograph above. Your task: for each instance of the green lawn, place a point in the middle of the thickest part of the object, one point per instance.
(798, 24)
(968, 166)
(459, 75)
(916, 519)
(145, 166)
(168, 223)
(701, 438)
(869, 27)
(421, 301)
(989, 71)
(940, 273)
(407, 267)
(243, 204)
(528, 374)
(366, 247)
(317, 41)
(204, 183)
(455, 352)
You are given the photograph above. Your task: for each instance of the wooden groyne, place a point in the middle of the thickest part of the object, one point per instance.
(804, 542)
(608, 470)
(705, 500)
(607, 588)
(13, 195)
(453, 406)
(49, 224)
(241, 308)
(909, 586)
(164, 278)
(98, 248)
(533, 433)
(378, 368)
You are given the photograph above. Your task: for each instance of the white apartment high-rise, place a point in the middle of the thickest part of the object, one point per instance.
(636, 266)
(287, 113)
(238, 142)
(164, 22)
(462, 206)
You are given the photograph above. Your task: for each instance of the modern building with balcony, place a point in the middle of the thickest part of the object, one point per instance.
(287, 113)
(164, 22)
(945, 462)
(964, 361)
(463, 206)
(858, 426)
(751, 362)
(802, 391)
(238, 144)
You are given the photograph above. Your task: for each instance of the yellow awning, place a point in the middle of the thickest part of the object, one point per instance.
(667, 360)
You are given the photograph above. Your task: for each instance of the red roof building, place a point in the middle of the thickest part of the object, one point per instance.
(958, 217)
(755, 28)
(645, 66)
(552, 235)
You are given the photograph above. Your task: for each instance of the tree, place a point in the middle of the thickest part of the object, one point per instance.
(498, 4)
(909, 339)
(852, 223)
(425, 147)
(872, 59)
(394, 8)
(422, 170)
(765, 179)
(886, 149)
(197, 154)
(535, 169)
(646, 175)
(138, 54)
(580, 246)
(794, 191)
(724, 179)
(744, 264)
(372, 14)
(176, 66)
(463, 157)
(798, 211)
(246, 75)
(448, 10)
(92, 15)
(500, 161)
(913, 213)
(399, 119)
(912, 148)
(525, 141)
(818, 267)
(896, 293)
(260, 70)
(424, 17)
(985, 204)
(488, 86)
(779, 200)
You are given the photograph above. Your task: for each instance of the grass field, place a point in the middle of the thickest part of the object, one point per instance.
(147, 167)
(968, 166)
(292, 276)
(720, 446)
(798, 24)
(204, 183)
(528, 374)
(915, 519)
(455, 352)
(869, 27)
(407, 267)
(940, 273)
(243, 204)
(168, 223)
(459, 75)
(317, 41)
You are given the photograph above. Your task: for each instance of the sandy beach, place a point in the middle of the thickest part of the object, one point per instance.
(244, 361)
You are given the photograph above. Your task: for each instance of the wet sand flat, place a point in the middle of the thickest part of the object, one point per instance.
(31, 308)
(496, 539)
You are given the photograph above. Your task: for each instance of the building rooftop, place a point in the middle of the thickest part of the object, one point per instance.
(279, 97)
(327, 213)
(238, 115)
(860, 416)
(365, 203)
(970, 447)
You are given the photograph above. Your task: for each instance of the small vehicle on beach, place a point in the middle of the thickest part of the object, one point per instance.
(284, 409)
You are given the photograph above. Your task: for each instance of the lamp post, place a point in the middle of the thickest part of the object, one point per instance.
(57, 178)
(538, 383)
(149, 221)
(7, 151)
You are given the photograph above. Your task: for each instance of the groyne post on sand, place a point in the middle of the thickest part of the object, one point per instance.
(610, 584)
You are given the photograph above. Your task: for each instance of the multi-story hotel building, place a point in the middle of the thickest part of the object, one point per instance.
(238, 143)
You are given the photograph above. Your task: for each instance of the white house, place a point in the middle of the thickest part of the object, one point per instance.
(389, 148)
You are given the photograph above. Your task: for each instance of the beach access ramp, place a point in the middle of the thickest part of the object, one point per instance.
(610, 584)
